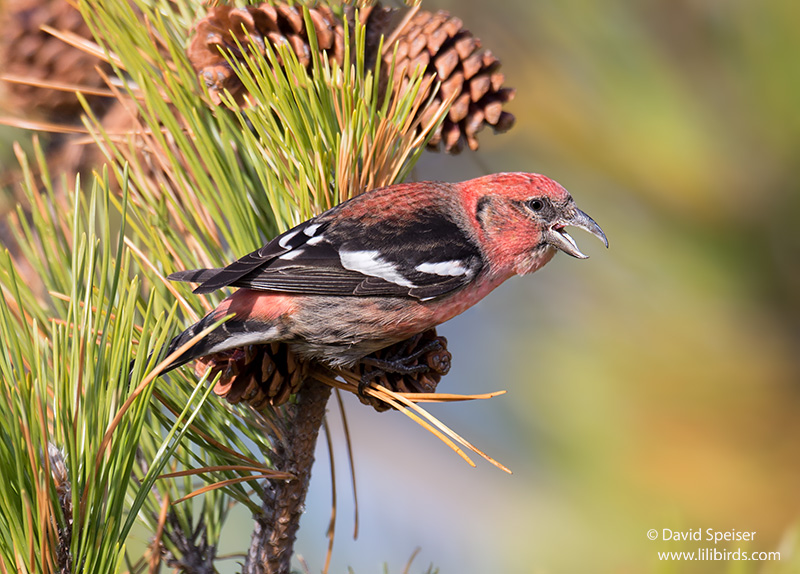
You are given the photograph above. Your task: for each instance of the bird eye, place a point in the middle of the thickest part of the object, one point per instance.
(536, 204)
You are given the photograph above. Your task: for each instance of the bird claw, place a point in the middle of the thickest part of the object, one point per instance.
(398, 364)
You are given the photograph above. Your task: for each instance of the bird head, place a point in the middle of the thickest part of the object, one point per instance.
(522, 218)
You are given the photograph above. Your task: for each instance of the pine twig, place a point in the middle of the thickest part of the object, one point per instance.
(197, 555)
(276, 526)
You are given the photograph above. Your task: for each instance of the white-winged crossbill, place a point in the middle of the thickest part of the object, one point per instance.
(386, 265)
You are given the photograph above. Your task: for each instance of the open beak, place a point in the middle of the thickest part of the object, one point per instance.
(558, 237)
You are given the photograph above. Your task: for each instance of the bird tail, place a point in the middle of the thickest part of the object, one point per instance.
(242, 328)
(194, 275)
(200, 348)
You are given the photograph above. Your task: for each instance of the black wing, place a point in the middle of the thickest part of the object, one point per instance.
(287, 242)
(424, 258)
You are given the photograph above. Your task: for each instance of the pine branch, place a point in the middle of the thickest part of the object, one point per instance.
(276, 524)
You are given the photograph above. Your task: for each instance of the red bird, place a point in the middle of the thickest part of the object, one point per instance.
(386, 265)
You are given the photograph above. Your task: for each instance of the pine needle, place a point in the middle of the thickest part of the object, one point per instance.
(411, 558)
(351, 382)
(28, 124)
(442, 426)
(170, 287)
(85, 45)
(408, 400)
(390, 400)
(154, 547)
(58, 86)
(223, 484)
(227, 467)
(349, 442)
(331, 531)
(101, 451)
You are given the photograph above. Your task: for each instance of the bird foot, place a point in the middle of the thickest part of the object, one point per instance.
(398, 363)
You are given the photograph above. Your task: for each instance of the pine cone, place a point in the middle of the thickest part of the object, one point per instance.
(425, 349)
(437, 42)
(281, 24)
(28, 51)
(261, 375)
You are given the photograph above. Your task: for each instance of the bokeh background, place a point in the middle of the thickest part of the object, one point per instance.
(655, 385)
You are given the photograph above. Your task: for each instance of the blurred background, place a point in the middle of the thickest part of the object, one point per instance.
(655, 385)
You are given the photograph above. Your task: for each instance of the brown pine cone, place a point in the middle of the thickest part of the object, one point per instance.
(264, 23)
(426, 354)
(28, 51)
(261, 375)
(437, 42)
